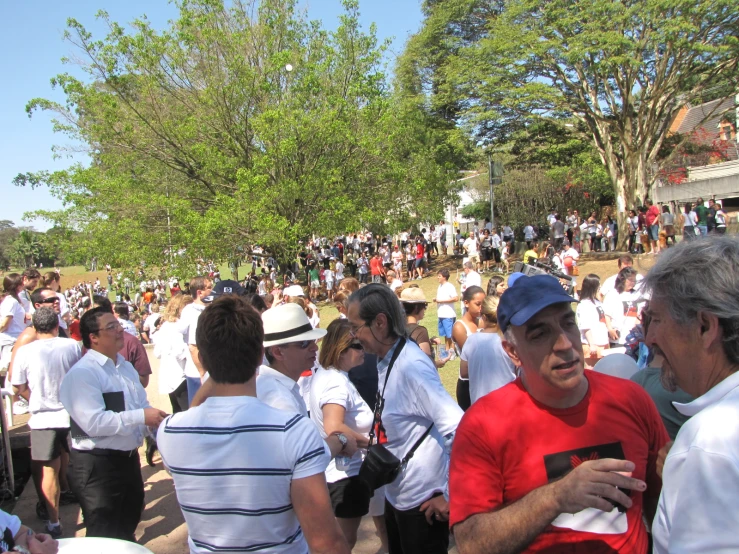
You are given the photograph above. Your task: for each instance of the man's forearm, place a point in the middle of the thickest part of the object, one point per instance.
(510, 529)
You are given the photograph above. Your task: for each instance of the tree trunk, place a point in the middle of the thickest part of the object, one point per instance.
(631, 187)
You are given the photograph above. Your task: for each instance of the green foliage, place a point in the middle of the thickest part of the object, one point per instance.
(203, 142)
(620, 70)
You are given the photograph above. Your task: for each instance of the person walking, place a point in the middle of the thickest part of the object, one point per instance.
(690, 222)
(446, 296)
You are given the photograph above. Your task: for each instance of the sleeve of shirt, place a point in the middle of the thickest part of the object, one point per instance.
(20, 369)
(585, 318)
(433, 401)
(9, 522)
(612, 305)
(335, 391)
(475, 479)
(83, 399)
(138, 358)
(6, 307)
(307, 449)
(467, 349)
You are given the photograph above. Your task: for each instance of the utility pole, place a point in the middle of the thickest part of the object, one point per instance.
(495, 177)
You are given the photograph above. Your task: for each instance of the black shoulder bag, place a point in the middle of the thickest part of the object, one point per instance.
(381, 467)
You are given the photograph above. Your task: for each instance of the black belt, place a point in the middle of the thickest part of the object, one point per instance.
(110, 452)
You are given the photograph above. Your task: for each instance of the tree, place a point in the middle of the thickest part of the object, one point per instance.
(25, 249)
(621, 69)
(239, 124)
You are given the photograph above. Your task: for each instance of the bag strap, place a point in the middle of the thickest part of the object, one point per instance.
(380, 400)
(412, 451)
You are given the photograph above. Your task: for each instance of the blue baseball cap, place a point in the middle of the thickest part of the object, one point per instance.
(527, 297)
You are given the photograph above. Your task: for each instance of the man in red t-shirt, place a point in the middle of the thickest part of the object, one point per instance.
(653, 216)
(420, 260)
(376, 268)
(560, 460)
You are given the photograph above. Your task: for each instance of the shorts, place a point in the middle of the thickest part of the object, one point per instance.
(377, 503)
(670, 230)
(445, 326)
(377, 278)
(419, 262)
(47, 444)
(315, 284)
(329, 285)
(496, 255)
(349, 497)
(475, 258)
(485, 255)
(654, 232)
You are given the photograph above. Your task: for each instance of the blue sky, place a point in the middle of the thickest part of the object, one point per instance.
(32, 46)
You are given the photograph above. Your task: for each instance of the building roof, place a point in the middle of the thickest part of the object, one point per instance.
(697, 114)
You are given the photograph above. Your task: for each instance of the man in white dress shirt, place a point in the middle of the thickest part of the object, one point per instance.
(694, 324)
(109, 414)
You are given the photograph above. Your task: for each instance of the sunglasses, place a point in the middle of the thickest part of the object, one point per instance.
(50, 300)
(303, 344)
(356, 346)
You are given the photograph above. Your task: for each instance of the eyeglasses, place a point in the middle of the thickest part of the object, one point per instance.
(50, 300)
(111, 327)
(303, 344)
(354, 330)
(356, 346)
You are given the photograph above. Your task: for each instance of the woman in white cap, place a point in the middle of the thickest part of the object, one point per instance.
(337, 407)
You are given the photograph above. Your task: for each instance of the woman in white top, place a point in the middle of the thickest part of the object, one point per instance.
(12, 317)
(623, 306)
(172, 351)
(592, 321)
(337, 407)
(720, 220)
(690, 222)
(472, 299)
(668, 224)
(483, 360)
(633, 223)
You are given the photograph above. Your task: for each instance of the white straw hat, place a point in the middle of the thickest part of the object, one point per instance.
(288, 323)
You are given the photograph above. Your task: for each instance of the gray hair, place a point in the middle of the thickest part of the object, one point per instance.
(701, 276)
(468, 265)
(378, 299)
(45, 320)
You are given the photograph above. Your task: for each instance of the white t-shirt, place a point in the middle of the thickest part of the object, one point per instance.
(470, 246)
(11, 307)
(444, 295)
(610, 283)
(150, 324)
(414, 399)
(63, 309)
(233, 460)
(528, 233)
(328, 275)
(472, 279)
(624, 310)
(43, 364)
(488, 365)
(339, 271)
(331, 386)
(396, 284)
(172, 351)
(188, 325)
(592, 317)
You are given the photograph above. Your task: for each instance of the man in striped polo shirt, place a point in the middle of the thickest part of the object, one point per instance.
(249, 477)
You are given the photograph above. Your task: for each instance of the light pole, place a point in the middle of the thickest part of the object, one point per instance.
(495, 177)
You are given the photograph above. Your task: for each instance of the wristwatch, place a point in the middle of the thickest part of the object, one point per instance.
(21, 549)
(343, 440)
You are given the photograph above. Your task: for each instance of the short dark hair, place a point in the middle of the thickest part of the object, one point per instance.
(37, 297)
(444, 273)
(625, 259)
(45, 320)
(31, 273)
(103, 303)
(90, 324)
(229, 338)
(198, 283)
(121, 309)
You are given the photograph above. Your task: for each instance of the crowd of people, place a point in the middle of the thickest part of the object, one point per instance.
(283, 434)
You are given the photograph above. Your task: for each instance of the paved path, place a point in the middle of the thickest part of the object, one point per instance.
(162, 529)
